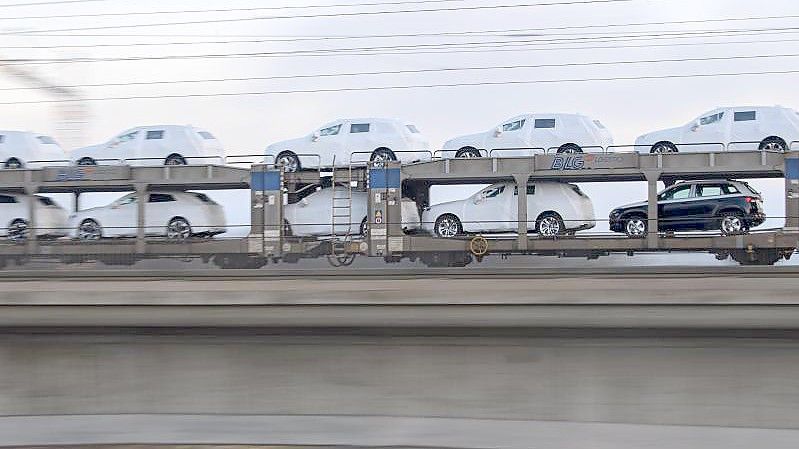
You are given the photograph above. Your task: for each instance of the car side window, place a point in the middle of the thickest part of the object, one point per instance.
(544, 123)
(330, 130)
(677, 193)
(2, 138)
(745, 116)
(155, 135)
(530, 189)
(731, 189)
(7, 199)
(126, 201)
(161, 198)
(715, 118)
(124, 138)
(356, 128)
(708, 190)
(493, 192)
(513, 126)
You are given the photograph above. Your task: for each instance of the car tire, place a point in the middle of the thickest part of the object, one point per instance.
(663, 148)
(175, 159)
(380, 156)
(13, 163)
(570, 148)
(448, 226)
(773, 144)
(468, 153)
(550, 224)
(636, 226)
(289, 161)
(17, 230)
(178, 228)
(89, 229)
(732, 223)
(86, 161)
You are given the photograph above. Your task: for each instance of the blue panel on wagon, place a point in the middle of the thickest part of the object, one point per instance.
(265, 181)
(384, 178)
(791, 168)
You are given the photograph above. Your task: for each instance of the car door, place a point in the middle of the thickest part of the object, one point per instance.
(153, 147)
(676, 207)
(124, 146)
(489, 210)
(746, 124)
(121, 218)
(359, 140)
(708, 197)
(162, 207)
(711, 129)
(544, 133)
(511, 134)
(327, 143)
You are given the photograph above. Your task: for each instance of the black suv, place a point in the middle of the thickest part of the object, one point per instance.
(730, 206)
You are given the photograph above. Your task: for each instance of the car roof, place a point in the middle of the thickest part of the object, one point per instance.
(370, 119)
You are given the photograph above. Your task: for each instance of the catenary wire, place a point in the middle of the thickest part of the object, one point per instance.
(417, 71)
(411, 86)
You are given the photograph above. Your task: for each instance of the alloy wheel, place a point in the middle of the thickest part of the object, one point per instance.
(447, 227)
(635, 227)
(89, 230)
(732, 224)
(549, 226)
(178, 229)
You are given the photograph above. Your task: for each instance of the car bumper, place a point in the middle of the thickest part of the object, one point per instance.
(755, 220)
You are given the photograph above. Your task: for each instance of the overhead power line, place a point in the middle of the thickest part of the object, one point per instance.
(223, 10)
(415, 86)
(322, 15)
(506, 33)
(418, 71)
(294, 38)
(49, 3)
(405, 49)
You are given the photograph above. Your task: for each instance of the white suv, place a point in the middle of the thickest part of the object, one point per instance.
(155, 145)
(346, 141)
(523, 134)
(771, 128)
(18, 148)
(553, 208)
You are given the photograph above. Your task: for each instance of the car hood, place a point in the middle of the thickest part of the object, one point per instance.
(670, 135)
(84, 212)
(291, 144)
(632, 205)
(449, 206)
(469, 140)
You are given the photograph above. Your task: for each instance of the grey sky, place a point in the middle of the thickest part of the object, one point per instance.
(247, 124)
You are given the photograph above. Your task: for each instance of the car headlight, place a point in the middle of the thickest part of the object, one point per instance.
(615, 213)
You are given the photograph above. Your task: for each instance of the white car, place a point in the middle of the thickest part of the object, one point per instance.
(528, 134)
(18, 148)
(313, 215)
(176, 215)
(51, 219)
(154, 145)
(346, 141)
(553, 208)
(770, 128)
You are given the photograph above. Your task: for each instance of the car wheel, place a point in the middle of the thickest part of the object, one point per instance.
(570, 148)
(178, 229)
(550, 224)
(468, 153)
(86, 161)
(89, 230)
(636, 227)
(175, 159)
(448, 226)
(289, 161)
(13, 163)
(18, 230)
(663, 147)
(773, 144)
(732, 223)
(380, 156)
(364, 230)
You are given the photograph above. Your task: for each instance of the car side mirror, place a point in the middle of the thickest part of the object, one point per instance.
(498, 132)
(478, 199)
(315, 136)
